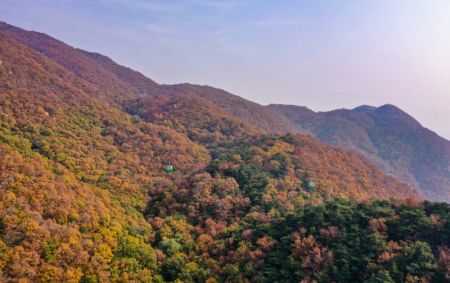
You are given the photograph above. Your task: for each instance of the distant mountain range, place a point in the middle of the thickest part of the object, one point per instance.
(389, 137)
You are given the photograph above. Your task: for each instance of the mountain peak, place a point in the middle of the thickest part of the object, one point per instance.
(364, 109)
(392, 112)
(389, 108)
(388, 136)
(383, 109)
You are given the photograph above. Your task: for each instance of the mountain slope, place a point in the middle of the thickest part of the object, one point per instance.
(74, 173)
(85, 195)
(58, 98)
(254, 114)
(118, 84)
(109, 87)
(195, 117)
(386, 135)
(141, 83)
(201, 120)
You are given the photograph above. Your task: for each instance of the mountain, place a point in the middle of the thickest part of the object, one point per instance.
(86, 195)
(200, 119)
(389, 137)
(118, 84)
(51, 88)
(258, 116)
(254, 114)
(73, 173)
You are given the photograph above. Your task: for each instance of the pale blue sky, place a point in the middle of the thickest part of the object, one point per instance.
(320, 54)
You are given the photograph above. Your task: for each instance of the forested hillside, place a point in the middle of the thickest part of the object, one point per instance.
(201, 120)
(103, 182)
(389, 137)
(119, 84)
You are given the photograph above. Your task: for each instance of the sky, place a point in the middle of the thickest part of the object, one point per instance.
(320, 54)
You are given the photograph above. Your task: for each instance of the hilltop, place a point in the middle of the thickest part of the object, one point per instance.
(386, 135)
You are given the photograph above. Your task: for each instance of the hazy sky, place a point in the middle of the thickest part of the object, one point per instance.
(320, 54)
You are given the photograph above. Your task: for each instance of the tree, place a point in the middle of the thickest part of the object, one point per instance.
(381, 276)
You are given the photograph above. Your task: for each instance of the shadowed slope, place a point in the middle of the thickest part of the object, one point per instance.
(386, 135)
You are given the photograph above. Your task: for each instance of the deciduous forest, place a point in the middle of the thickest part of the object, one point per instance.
(107, 176)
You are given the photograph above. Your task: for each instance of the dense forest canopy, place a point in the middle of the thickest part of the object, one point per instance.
(86, 194)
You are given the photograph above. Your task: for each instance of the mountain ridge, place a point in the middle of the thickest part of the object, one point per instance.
(386, 135)
(124, 85)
